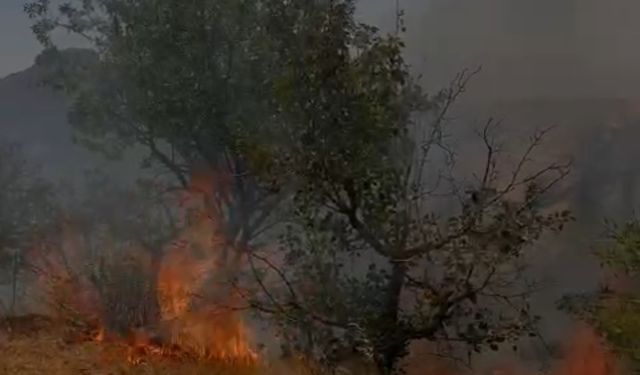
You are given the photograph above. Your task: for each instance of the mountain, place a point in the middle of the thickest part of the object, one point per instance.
(35, 116)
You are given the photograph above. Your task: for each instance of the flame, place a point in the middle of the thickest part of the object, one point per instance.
(57, 264)
(197, 305)
(587, 355)
(197, 318)
(195, 315)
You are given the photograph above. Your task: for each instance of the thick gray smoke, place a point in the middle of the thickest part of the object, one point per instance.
(541, 48)
(571, 63)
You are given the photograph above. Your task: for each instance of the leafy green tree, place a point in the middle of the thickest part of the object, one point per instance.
(615, 311)
(369, 258)
(188, 82)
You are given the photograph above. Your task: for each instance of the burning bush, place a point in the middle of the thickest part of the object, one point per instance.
(175, 303)
(126, 287)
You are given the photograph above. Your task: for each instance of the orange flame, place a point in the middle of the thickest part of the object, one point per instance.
(587, 355)
(199, 309)
(195, 302)
(584, 354)
(195, 320)
(58, 265)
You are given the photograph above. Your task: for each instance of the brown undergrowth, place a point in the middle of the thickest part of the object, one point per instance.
(33, 345)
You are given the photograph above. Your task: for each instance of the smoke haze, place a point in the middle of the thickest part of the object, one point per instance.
(543, 48)
(570, 63)
(574, 63)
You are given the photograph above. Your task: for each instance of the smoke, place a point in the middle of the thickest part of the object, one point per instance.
(570, 63)
(542, 48)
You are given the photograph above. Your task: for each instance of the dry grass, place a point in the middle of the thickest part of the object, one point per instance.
(34, 345)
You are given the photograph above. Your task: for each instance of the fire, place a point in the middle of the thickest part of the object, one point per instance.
(196, 318)
(58, 266)
(584, 354)
(587, 355)
(196, 300)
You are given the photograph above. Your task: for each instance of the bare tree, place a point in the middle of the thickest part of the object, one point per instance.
(372, 263)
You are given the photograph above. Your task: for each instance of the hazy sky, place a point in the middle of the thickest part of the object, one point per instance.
(530, 48)
(19, 47)
(17, 44)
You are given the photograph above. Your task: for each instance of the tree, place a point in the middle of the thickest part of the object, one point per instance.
(99, 264)
(316, 106)
(189, 82)
(615, 312)
(125, 231)
(26, 207)
(368, 259)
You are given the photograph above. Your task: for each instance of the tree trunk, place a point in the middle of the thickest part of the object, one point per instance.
(392, 345)
(14, 280)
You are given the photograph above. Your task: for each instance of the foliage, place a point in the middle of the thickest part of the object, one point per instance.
(126, 231)
(623, 255)
(299, 98)
(368, 259)
(97, 263)
(616, 313)
(620, 323)
(139, 213)
(189, 82)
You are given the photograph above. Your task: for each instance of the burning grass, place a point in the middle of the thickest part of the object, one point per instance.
(174, 303)
(132, 312)
(38, 345)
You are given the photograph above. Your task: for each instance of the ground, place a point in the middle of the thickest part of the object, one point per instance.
(35, 345)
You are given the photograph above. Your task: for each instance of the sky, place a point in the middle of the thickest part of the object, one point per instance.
(527, 48)
(19, 47)
(17, 43)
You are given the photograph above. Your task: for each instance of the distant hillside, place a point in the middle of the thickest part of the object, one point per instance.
(36, 117)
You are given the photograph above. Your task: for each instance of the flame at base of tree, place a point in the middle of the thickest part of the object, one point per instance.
(193, 330)
(195, 318)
